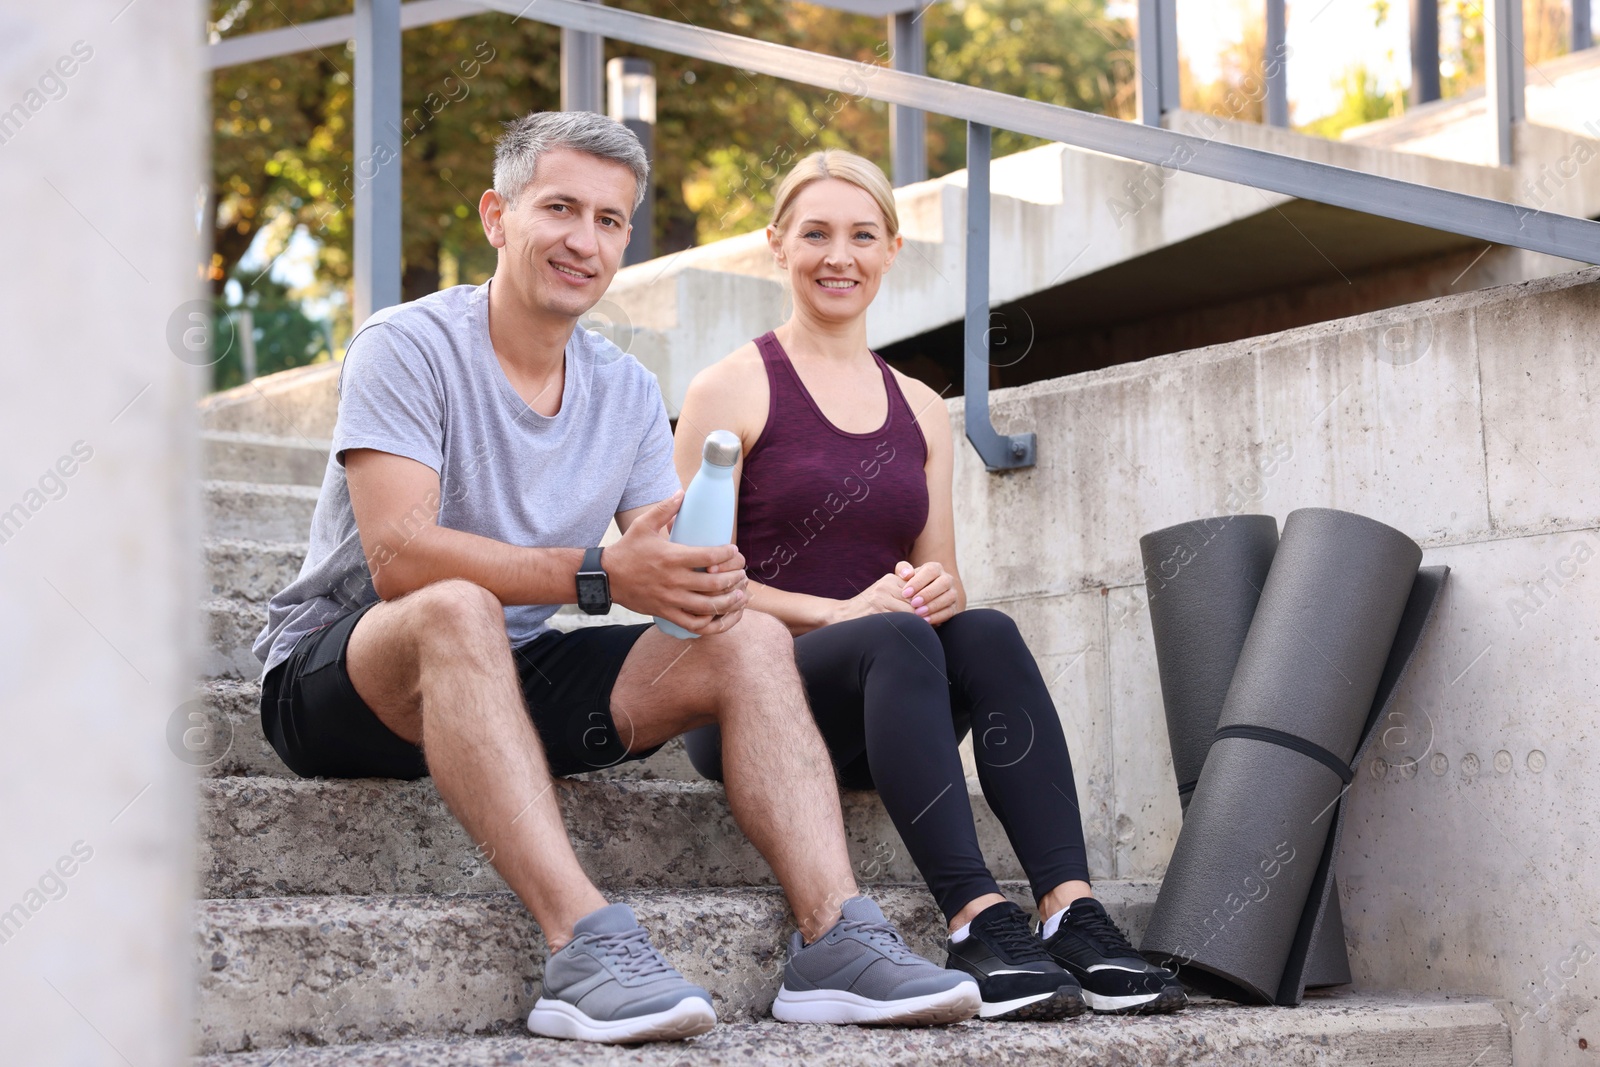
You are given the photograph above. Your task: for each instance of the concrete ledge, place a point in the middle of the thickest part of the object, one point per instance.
(288, 837)
(303, 402)
(1333, 1031)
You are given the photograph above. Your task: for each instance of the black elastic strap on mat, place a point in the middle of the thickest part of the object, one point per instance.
(1187, 787)
(1290, 741)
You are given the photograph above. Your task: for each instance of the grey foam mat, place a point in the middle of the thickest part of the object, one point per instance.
(1323, 906)
(1203, 580)
(1255, 846)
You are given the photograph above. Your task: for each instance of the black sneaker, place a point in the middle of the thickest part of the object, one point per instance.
(1114, 977)
(1016, 976)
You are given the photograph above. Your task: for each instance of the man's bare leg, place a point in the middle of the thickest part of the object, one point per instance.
(779, 777)
(436, 668)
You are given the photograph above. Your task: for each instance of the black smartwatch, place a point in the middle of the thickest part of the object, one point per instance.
(594, 588)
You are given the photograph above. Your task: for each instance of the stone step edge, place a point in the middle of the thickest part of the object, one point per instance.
(240, 750)
(245, 437)
(1344, 1029)
(264, 837)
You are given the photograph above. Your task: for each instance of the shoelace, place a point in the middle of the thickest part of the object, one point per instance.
(631, 954)
(1010, 931)
(883, 937)
(1098, 925)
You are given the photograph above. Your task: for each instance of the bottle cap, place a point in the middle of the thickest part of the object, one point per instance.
(721, 448)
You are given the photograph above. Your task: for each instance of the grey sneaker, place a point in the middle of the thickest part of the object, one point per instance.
(860, 971)
(610, 984)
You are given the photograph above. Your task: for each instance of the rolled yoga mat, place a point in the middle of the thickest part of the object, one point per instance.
(1254, 848)
(1203, 580)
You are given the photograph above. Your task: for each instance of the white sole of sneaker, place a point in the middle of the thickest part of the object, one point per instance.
(1101, 1002)
(839, 1007)
(1001, 1007)
(557, 1018)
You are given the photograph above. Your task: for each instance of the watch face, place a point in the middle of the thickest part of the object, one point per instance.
(593, 594)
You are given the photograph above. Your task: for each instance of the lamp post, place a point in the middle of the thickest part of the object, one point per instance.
(631, 100)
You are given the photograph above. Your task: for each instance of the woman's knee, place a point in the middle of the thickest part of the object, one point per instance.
(902, 634)
(987, 631)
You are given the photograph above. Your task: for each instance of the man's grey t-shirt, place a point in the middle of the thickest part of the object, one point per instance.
(421, 380)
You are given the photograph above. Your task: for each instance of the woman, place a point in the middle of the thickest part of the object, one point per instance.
(845, 523)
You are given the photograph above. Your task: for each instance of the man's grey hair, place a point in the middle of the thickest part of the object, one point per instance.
(525, 140)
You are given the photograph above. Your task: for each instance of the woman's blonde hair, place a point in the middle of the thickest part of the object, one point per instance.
(835, 163)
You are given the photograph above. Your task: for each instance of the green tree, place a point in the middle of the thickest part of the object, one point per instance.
(282, 145)
(284, 335)
(1360, 102)
(1064, 52)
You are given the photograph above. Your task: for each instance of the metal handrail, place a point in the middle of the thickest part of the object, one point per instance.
(1439, 209)
(1460, 213)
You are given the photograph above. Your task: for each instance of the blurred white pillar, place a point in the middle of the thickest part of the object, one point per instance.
(102, 144)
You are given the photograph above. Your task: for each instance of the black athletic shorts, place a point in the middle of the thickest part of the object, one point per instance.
(313, 717)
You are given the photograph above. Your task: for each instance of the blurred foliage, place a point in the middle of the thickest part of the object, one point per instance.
(284, 335)
(1360, 101)
(282, 154)
(1240, 92)
(1064, 52)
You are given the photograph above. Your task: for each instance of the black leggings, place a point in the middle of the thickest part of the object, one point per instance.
(893, 697)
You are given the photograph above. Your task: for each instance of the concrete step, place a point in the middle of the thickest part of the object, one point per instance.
(251, 570)
(349, 969)
(232, 626)
(257, 457)
(258, 511)
(232, 706)
(1339, 1030)
(263, 837)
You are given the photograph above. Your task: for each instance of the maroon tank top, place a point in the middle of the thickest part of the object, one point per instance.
(822, 511)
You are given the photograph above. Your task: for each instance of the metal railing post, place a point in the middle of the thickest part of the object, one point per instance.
(1277, 72)
(1424, 51)
(377, 158)
(908, 126)
(1158, 59)
(998, 451)
(583, 76)
(631, 100)
(1503, 87)
(1582, 26)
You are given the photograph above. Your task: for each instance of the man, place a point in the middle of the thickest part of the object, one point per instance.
(483, 445)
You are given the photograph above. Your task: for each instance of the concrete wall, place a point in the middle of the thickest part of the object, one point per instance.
(100, 167)
(1469, 423)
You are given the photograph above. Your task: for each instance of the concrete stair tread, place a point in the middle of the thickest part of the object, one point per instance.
(264, 511)
(347, 969)
(242, 751)
(277, 837)
(259, 457)
(1374, 1030)
(241, 568)
(280, 440)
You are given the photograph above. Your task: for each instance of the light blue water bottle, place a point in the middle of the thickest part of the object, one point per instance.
(706, 517)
